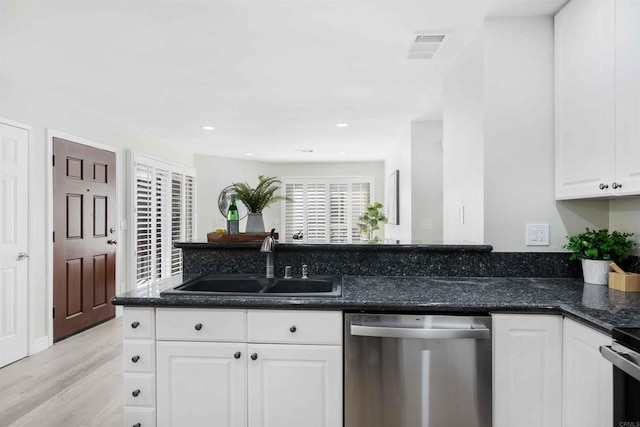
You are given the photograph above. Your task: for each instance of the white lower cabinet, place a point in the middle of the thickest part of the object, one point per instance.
(527, 370)
(587, 395)
(295, 385)
(215, 376)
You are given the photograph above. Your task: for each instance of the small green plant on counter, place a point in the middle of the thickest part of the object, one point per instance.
(371, 220)
(256, 199)
(600, 244)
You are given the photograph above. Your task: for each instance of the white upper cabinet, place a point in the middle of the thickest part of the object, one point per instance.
(628, 96)
(597, 99)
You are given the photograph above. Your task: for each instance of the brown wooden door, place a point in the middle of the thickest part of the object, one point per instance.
(84, 188)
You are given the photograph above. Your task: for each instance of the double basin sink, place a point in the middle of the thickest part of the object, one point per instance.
(254, 285)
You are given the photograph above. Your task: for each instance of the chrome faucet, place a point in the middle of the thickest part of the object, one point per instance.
(269, 246)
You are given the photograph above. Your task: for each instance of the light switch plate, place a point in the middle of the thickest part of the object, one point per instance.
(537, 235)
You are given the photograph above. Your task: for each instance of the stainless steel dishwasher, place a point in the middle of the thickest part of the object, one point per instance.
(409, 371)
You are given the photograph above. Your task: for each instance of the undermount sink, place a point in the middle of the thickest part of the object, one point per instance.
(239, 284)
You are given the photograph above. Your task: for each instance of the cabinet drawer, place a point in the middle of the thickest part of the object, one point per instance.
(179, 324)
(138, 323)
(139, 356)
(299, 327)
(139, 417)
(139, 390)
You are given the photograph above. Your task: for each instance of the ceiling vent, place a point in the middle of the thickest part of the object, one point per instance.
(424, 46)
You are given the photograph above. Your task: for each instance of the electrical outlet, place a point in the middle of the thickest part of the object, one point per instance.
(537, 235)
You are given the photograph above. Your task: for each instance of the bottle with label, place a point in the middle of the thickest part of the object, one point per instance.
(233, 219)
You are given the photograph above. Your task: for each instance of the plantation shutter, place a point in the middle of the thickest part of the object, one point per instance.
(360, 198)
(325, 210)
(177, 226)
(144, 217)
(164, 213)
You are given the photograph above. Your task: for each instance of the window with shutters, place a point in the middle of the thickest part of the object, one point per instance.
(163, 213)
(324, 209)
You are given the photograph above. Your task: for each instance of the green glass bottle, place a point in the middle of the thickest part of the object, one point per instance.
(233, 219)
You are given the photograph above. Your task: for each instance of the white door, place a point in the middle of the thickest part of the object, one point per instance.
(201, 384)
(14, 277)
(295, 385)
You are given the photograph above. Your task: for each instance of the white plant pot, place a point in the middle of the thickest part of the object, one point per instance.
(596, 271)
(255, 223)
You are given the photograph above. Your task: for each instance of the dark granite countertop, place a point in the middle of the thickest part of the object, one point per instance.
(596, 306)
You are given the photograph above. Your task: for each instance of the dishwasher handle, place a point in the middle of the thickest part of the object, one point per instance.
(621, 362)
(419, 333)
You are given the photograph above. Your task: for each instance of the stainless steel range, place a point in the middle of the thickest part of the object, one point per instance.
(415, 370)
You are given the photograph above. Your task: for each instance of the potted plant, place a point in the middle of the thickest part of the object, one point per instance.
(597, 249)
(370, 221)
(256, 199)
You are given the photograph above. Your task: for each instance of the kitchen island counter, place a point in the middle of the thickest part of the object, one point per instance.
(596, 306)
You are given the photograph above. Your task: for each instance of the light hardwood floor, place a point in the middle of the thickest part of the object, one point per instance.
(76, 382)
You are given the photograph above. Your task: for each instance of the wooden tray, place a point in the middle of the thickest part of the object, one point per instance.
(242, 237)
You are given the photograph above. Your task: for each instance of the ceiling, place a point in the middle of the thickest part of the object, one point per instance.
(273, 77)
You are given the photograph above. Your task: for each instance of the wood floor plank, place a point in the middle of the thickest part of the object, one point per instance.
(78, 382)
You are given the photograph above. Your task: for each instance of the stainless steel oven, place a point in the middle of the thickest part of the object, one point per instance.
(415, 370)
(624, 354)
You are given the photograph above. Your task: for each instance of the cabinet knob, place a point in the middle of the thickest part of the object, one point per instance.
(616, 185)
(135, 393)
(237, 355)
(198, 326)
(293, 329)
(135, 359)
(137, 425)
(254, 356)
(135, 325)
(604, 186)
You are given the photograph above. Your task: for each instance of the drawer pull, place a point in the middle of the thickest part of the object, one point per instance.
(137, 425)
(135, 359)
(135, 325)
(136, 393)
(254, 356)
(237, 355)
(198, 326)
(293, 329)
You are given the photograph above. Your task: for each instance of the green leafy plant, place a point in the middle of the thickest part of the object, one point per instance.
(370, 221)
(256, 199)
(600, 244)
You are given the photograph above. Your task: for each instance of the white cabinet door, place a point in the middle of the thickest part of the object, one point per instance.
(527, 370)
(201, 384)
(587, 395)
(295, 385)
(585, 99)
(628, 96)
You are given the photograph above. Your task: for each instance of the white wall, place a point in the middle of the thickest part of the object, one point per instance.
(426, 181)
(215, 173)
(400, 160)
(463, 145)
(45, 110)
(624, 216)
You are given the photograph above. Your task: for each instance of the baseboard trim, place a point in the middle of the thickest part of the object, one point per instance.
(39, 345)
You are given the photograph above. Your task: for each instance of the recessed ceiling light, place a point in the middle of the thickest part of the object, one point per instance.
(248, 154)
(342, 153)
(342, 125)
(208, 127)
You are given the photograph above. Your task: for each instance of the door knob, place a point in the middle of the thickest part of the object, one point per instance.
(111, 242)
(22, 256)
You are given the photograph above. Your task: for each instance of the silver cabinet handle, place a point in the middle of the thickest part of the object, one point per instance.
(425, 334)
(619, 361)
(22, 256)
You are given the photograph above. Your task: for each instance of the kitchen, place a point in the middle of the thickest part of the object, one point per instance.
(511, 186)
